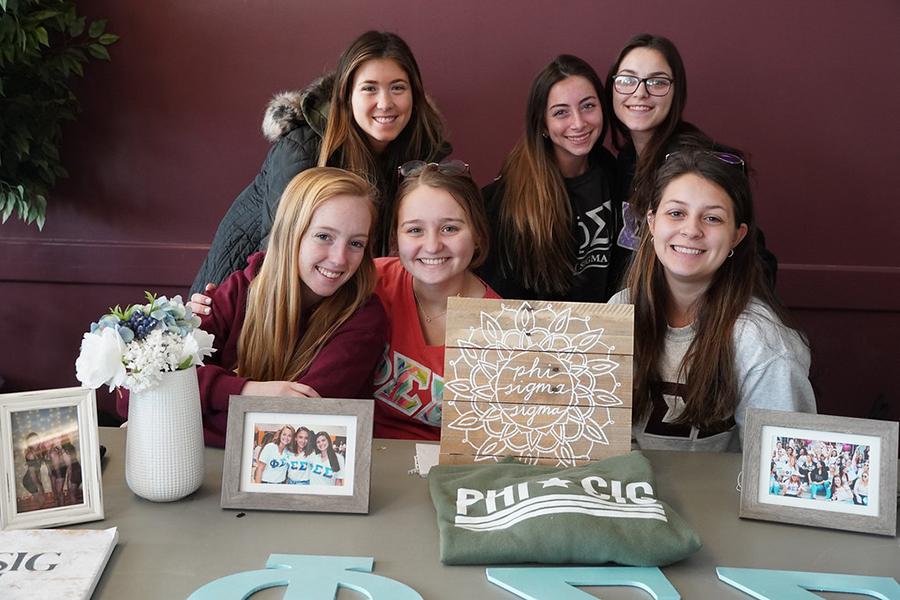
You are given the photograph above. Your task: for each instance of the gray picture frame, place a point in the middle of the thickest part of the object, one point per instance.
(83, 401)
(761, 423)
(236, 493)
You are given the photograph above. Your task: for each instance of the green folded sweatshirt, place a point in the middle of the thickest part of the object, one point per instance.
(605, 511)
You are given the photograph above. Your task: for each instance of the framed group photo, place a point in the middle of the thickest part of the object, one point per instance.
(819, 470)
(302, 454)
(50, 463)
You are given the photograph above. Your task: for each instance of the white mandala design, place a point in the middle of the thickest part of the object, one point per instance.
(585, 385)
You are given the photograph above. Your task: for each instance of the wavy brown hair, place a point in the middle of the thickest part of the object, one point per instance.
(275, 344)
(708, 367)
(345, 145)
(535, 213)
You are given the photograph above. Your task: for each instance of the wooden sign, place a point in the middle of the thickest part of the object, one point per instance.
(544, 382)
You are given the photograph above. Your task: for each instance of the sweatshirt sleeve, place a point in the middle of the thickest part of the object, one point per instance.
(773, 366)
(344, 367)
(217, 378)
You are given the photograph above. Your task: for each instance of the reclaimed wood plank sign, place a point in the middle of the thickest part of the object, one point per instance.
(543, 382)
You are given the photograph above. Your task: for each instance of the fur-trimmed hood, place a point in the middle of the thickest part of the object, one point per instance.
(287, 110)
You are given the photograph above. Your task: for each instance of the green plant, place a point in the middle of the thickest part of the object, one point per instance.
(43, 43)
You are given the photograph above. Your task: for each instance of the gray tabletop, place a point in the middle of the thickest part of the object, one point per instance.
(169, 550)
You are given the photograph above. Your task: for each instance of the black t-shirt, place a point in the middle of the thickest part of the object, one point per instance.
(596, 223)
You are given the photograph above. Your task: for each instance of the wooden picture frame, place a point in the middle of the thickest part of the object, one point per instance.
(859, 456)
(50, 459)
(260, 474)
(543, 382)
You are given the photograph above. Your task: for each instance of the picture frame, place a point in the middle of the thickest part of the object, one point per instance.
(843, 474)
(271, 465)
(50, 459)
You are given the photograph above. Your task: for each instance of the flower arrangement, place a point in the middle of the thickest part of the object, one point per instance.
(132, 347)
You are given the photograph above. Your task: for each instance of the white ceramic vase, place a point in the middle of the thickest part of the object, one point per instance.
(164, 439)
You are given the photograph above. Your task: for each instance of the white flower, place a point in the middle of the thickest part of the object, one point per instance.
(100, 360)
(197, 346)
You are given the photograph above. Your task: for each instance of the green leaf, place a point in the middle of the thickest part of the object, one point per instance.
(76, 27)
(10, 204)
(44, 14)
(41, 35)
(97, 28)
(108, 38)
(98, 51)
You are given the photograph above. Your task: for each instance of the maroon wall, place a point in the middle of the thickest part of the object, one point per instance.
(169, 134)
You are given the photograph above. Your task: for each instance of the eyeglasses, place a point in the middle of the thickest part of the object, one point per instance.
(414, 168)
(725, 157)
(655, 86)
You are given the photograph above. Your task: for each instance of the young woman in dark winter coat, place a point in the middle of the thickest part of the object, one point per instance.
(552, 207)
(370, 116)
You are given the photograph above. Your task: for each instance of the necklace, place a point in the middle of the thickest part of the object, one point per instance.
(429, 318)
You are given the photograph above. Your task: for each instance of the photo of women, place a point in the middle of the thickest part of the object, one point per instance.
(839, 472)
(296, 455)
(46, 458)
(272, 465)
(327, 466)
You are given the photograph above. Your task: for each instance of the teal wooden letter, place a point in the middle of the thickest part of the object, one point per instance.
(793, 585)
(308, 578)
(557, 583)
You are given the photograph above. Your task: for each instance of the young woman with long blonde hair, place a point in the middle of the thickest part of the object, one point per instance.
(300, 320)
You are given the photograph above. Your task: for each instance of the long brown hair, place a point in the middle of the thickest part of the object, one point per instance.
(345, 145)
(273, 344)
(708, 367)
(654, 153)
(535, 213)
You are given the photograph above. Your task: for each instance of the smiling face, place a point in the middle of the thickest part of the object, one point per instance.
(640, 112)
(381, 100)
(322, 443)
(435, 241)
(285, 438)
(301, 439)
(333, 246)
(694, 229)
(574, 120)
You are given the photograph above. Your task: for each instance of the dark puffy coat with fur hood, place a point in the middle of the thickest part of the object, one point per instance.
(294, 123)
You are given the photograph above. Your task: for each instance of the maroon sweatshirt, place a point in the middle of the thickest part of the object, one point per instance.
(344, 367)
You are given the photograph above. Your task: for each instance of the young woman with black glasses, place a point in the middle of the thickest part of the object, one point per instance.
(647, 89)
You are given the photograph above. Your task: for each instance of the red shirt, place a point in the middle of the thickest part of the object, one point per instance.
(409, 382)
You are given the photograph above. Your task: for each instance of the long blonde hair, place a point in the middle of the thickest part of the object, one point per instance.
(273, 344)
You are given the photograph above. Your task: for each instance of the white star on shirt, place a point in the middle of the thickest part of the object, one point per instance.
(555, 482)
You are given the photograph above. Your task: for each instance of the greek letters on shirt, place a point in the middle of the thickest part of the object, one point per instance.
(323, 471)
(594, 240)
(402, 383)
(298, 471)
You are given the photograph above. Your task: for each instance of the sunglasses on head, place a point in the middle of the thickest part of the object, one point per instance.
(725, 157)
(414, 168)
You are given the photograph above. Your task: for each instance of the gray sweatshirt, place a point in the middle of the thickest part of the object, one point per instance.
(772, 364)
